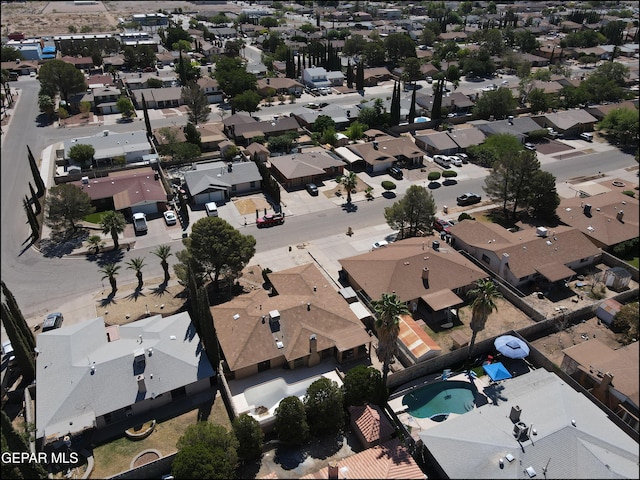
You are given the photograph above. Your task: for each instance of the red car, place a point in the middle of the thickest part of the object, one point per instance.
(441, 225)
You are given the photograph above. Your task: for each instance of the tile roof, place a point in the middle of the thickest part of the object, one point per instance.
(415, 340)
(388, 460)
(372, 423)
(573, 439)
(398, 268)
(528, 252)
(247, 341)
(76, 396)
(603, 225)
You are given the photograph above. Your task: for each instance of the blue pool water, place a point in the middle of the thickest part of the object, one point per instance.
(441, 397)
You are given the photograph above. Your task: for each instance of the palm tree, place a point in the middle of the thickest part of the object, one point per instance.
(95, 242)
(349, 182)
(163, 252)
(484, 302)
(113, 223)
(110, 270)
(387, 326)
(137, 264)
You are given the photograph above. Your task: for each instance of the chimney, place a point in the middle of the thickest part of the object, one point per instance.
(314, 356)
(587, 210)
(425, 274)
(141, 385)
(510, 119)
(333, 470)
(375, 145)
(268, 81)
(229, 167)
(514, 416)
(504, 262)
(620, 215)
(435, 245)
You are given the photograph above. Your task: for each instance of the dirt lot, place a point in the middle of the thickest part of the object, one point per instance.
(249, 205)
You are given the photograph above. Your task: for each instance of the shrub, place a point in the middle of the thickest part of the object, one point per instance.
(465, 216)
(630, 193)
(387, 185)
(449, 174)
(433, 176)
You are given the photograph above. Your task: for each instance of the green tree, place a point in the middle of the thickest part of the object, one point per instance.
(626, 322)
(374, 55)
(250, 436)
(355, 131)
(110, 270)
(484, 297)
(413, 214)
(399, 46)
(498, 104)
(218, 247)
(137, 264)
(387, 325)
(125, 107)
(621, 126)
(58, 77)
(35, 172)
(363, 385)
(18, 317)
(12, 441)
(192, 135)
(246, 101)
(538, 100)
(291, 421)
(24, 355)
(96, 243)
(46, 105)
(324, 406)
(543, 198)
(360, 77)
(82, 153)
(65, 205)
(349, 182)
(113, 223)
(323, 122)
(526, 40)
(232, 76)
(163, 252)
(220, 459)
(10, 54)
(197, 104)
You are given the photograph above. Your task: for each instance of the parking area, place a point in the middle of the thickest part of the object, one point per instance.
(549, 147)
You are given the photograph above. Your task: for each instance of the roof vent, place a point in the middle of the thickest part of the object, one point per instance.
(279, 344)
(85, 180)
(514, 415)
(541, 232)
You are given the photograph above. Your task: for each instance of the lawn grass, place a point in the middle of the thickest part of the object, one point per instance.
(634, 262)
(116, 456)
(95, 217)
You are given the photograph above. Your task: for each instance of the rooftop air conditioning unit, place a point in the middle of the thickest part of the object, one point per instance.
(85, 180)
(541, 232)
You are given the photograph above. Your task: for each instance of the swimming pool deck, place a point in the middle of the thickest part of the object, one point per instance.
(414, 424)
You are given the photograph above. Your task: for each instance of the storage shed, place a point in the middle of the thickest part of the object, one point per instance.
(607, 310)
(617, 278)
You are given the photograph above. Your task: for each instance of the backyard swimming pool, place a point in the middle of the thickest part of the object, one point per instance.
(440, 398)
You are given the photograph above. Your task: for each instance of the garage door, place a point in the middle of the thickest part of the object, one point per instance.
(217, 196)
(149, 209)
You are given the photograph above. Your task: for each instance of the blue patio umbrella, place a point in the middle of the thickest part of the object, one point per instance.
(511, 346)
(496, 371)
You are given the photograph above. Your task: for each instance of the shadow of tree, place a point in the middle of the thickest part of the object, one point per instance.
(135, 294)
(60, 244)
(108, 300)
(28, 243)
(449, 181)
(389, 194)
(349, 207)
(110, 257)
(325, 447)
(434, 185)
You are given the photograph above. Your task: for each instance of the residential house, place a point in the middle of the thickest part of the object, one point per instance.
(211, 136)
(610, 375)
(315, 77)
(219, 181)
(533, 255)
(303, 321)
(151, 19)
(607, 219)
(296, 170)
(454, 102)
(534, 60)
(22, 67)
(281, 85)
(570, 123)
(244, 132)
(384, 152)
(536, 426)
(465, 136)
(390, 459)
(224, 32)
(91, 376)
(128, 191)
(434, 143)
(103, 100)
(455, 36)
(132, 146)
(138, 39)
(428, 279)
(520, 127)
(236, 119)
(211, 89)
(81, 63)
(342, 115)
(30, 48)
(158, 97)
(115, 61)
(389, 13)
(376, 75)
(601, 111)
(142, 81)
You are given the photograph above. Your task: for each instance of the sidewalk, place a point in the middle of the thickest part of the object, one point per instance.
(6, 121)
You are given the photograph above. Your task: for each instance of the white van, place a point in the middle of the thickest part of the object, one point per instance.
(212, 209)
(587, 136)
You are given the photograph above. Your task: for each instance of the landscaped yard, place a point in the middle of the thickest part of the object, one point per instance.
(95, 217)
(116, 456)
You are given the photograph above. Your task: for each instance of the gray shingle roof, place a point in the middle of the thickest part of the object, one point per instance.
(593, 448)
(70, 392)
(217, 174)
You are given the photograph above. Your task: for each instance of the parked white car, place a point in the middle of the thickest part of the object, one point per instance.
(457, 161)
(380, 244)
(140, 223)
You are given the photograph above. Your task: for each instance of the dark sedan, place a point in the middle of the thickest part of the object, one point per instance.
(469, 199)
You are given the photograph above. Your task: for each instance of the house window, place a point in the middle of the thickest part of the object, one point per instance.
(486, 259)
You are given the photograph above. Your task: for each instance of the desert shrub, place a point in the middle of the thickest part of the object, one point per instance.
(465, 216)
(433, 176)
(630, 193)
(387, 185)
(449, 174)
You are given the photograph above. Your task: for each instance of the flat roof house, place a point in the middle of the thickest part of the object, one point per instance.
(91, 376)
(133, 146)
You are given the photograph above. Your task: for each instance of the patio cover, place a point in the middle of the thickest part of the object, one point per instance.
(442, 299)
(555, 271)
(496, 371)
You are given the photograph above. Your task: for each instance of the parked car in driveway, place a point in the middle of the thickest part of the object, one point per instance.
(529, 146)
(52, 321)
(395, 172)
(442, 160)
(468, 199)
(170, 217)
(140, 223)
(312, 188)
(441, 225)
(586, 136)
(456, 160)
(379, 244)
